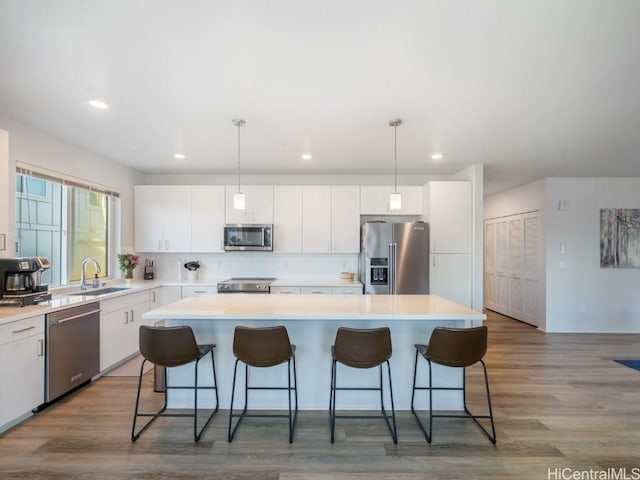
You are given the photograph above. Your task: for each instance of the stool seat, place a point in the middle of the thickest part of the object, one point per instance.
(363, 349)
(173, 347)
(263, 347)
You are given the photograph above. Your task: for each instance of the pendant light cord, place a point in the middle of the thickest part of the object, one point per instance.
(395, 123)
(238, 122)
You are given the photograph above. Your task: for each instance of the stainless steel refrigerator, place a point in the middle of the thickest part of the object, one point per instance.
(394, 258)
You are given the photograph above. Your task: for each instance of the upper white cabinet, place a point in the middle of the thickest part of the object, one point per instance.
(259, 204)
(345, 219)
(162, 218)
(448, 211)
(331, 219)
(287, 218)
(7, 226)
(207, 218)
(374, 200)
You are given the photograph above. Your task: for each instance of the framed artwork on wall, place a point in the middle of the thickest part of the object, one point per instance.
(620, 238)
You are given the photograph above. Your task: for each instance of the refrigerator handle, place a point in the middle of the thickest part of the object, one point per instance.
(392, 268)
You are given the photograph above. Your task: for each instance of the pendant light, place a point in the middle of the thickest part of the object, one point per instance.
(395, 199)
(239, 202)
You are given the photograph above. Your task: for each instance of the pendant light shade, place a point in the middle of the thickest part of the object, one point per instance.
(395, 199)
(239, 201)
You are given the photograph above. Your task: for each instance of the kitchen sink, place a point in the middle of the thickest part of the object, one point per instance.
(101, 291)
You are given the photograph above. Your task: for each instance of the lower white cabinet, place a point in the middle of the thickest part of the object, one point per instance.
(21, 367)
(343, 290)
(120, 322)
(160, 296)
(194, 291)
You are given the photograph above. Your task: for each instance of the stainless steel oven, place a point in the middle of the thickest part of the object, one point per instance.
(245, 236)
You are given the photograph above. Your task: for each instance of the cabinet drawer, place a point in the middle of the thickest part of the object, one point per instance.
(347, 290)
(14, 331)
(285, 290)
(195, 291)
(318, 290)
(124, 301)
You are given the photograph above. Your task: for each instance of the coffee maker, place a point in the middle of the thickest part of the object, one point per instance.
(22, 281)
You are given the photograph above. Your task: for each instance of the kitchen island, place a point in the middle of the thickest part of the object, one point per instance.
(312, 321)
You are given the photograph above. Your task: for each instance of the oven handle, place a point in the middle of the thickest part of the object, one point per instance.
(73, 317)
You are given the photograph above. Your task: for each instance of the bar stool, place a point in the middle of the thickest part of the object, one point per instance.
(459, 348)
(263, 347)
(362, 348)
(172, 347)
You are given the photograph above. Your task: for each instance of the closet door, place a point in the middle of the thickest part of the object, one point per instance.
(531, 269)
(515, 243)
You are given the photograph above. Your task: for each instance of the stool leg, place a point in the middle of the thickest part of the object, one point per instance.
(394, 432)
(332, 404)
(491, 436)
(430, 403)
(136, 413)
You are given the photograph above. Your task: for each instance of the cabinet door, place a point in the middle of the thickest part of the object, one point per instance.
(113, 332)
(22, 377)
(287, 218)
(316, 219)
(207, 218)
(374, 200)
(7, 180)
(177, 218)
(148, 224)
(450, 277)
(449, 218)
(345, 219)
(259, 204)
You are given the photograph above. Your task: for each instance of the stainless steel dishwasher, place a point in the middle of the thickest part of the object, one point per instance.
(73, 348)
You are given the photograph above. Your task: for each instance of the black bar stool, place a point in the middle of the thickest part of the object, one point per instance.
(459, 348)
(362, 348)
(171, 347)
(263, 347)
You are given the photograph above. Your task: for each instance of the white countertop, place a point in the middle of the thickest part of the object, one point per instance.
(315, 307)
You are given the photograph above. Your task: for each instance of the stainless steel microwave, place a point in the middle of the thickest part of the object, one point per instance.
(248, 236)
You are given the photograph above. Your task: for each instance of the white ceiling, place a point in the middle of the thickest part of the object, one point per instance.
(529, 88)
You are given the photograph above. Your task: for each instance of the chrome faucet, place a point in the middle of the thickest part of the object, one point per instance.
(83, 281)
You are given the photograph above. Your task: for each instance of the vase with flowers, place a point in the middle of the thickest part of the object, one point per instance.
(128, 262)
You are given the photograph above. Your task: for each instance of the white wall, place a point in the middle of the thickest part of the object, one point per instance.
(582, 297)
(30, 146)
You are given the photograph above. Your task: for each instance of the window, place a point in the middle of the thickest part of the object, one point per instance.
(64, 223)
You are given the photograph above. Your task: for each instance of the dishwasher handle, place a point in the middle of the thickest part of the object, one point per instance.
(73, 317)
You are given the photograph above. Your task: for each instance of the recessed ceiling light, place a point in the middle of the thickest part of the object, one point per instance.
(437, 156)
(179, 156)
(99, 104)
(306, 156)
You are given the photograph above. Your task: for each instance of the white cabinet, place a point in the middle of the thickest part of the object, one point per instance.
(160, 296)
(287, 218)
(345, 219)
(448, 210)
(162, 218)
(7, 182)
(449, 214)
(207, 218)
(21, 367)
(331, 219)
(374, 200)
(259, 204)
(354, 289)
(120, 322)
(194, 291)
(450, 276)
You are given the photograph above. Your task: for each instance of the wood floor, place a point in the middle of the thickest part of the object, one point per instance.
(559, 400)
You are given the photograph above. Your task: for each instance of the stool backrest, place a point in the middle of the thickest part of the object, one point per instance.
(362, 348)
(263, 346)
(168, 346)
(457, 347)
